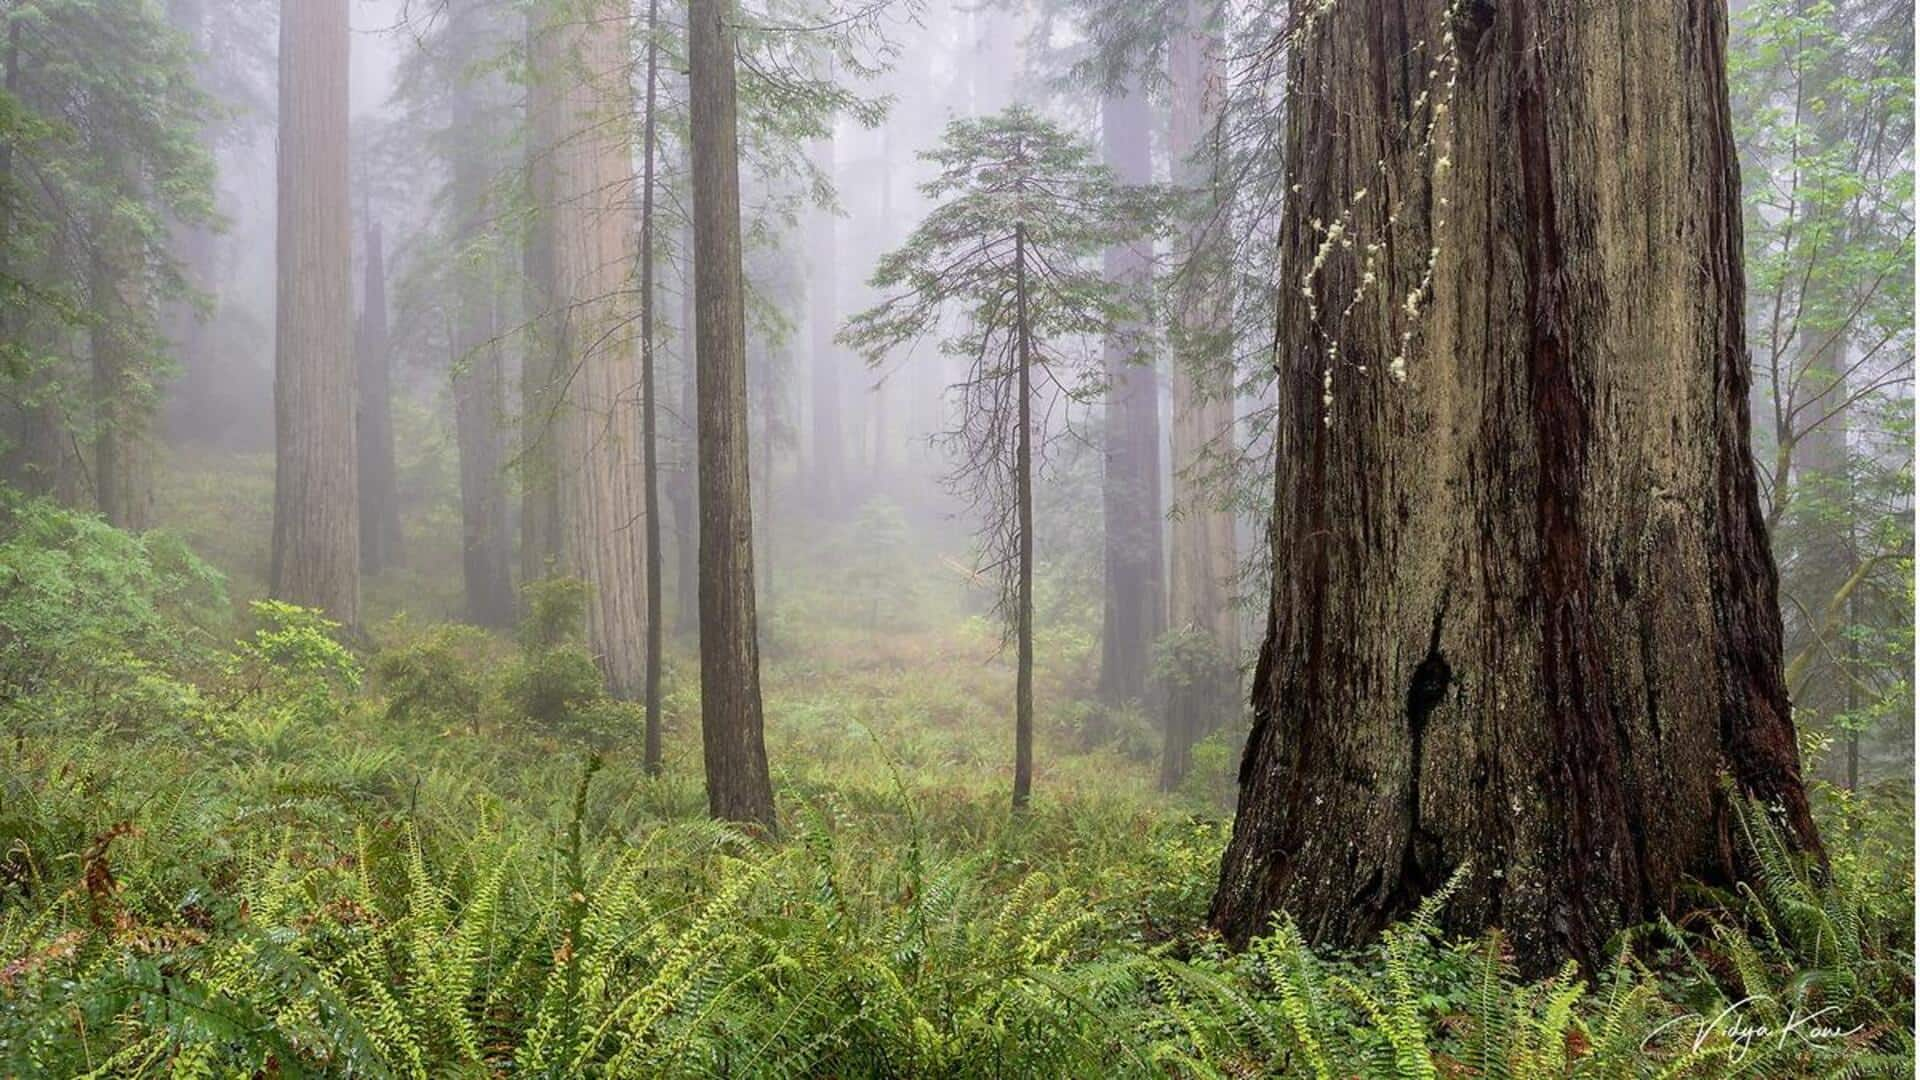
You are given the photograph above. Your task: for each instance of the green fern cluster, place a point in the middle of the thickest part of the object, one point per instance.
(297, 873)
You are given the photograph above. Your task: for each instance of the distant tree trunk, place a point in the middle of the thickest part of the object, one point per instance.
(39, 458)
(681, 487)
(770, 413)
(122, 391)
(1523, 610)
(316, 504)
(581, 113)
(379, 487)
(738, 786)
(543, 365)
(1023, 522)
(477, 374)
(1134, 609)
(649, 425)
(1205, 692)
(823, 318)
(885, 393)
(193, 246)
(122, 443)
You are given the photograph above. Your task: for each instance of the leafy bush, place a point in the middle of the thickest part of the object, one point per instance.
(94, 621)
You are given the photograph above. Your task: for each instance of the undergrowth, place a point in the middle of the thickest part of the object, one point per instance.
(253, 851)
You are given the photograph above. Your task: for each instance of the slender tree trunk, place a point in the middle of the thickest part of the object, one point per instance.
(478, 372)
(1523, 612)
(738, 786)
(582, 136)
(823, 317)
(316, 504)
(1023, 479)
(193, 245)
(379, 488)
(770, 413)
(1205, 692)
(122, 378)
(1134, 609)
(888, 419)
(122, 445)
(649, 426)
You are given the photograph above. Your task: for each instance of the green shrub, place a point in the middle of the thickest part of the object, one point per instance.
(98, 626)
(438, 677)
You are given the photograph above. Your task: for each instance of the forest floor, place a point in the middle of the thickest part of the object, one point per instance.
(234, 845)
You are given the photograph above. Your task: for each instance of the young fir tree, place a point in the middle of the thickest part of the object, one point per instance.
(1012, 247)
(98, 112)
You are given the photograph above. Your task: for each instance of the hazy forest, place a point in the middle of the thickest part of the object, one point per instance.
(957, 538)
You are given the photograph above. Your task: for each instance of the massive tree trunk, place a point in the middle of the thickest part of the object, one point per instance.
(738, 787)
(1203, 691)
(823, 319)
(1135, 599)
(478, 375)
(379, 487)
(580, 118)
(316, 502)
(1523, 613)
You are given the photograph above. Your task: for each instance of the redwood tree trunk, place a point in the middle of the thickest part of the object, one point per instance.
(379, 488)
(738, 786)
(1203, 692)
(649, 410)
(581, 124)
(1135, 595)
(1523, 614)
(681, 482)
(316, 502)
(478, 375)
(823, 318)
(123, 400)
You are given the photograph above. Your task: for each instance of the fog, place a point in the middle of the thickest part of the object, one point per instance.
(956, 538)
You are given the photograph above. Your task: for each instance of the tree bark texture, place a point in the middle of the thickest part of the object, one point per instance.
(1206, 693)
(581, 113)
(1134, 612)
(738, 786)
(1523, 611)
(379, 485)
(316, 502)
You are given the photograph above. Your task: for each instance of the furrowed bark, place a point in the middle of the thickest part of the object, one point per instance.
(316, 502)
(1523, 613)
(738, 786)
(580, 108)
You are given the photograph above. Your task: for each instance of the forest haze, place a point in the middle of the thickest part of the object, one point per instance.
(957, 538)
